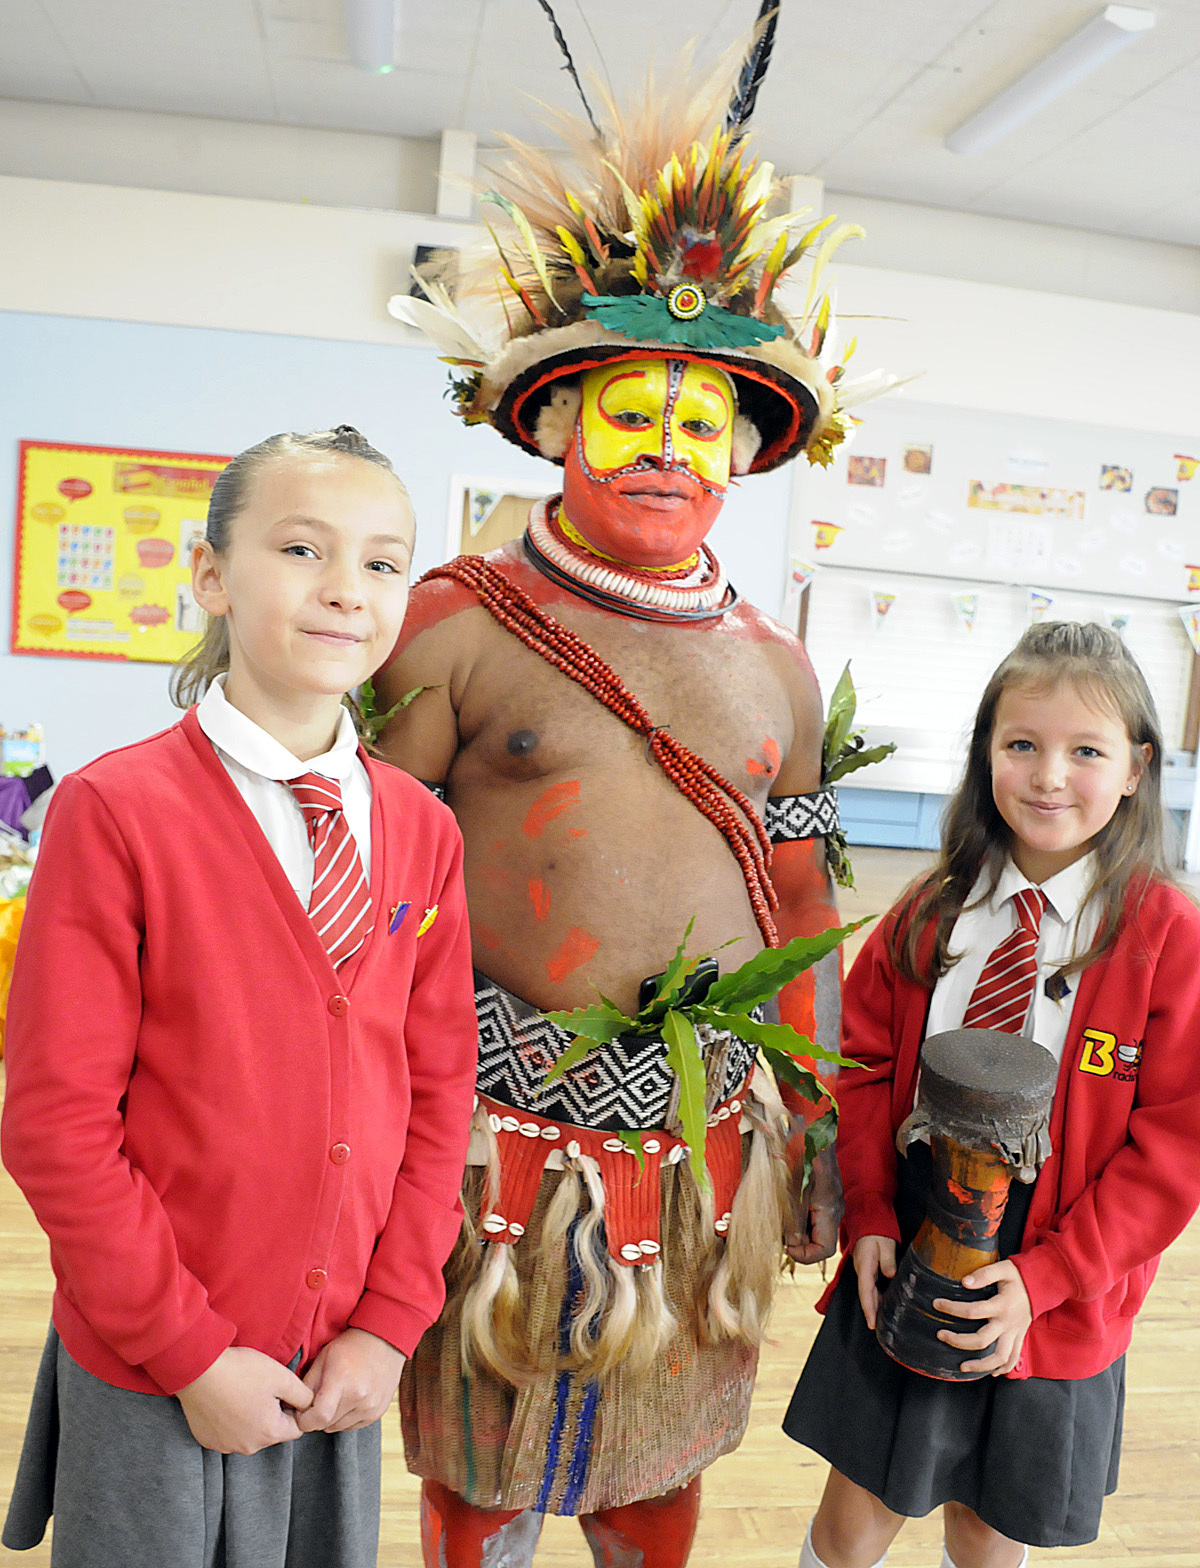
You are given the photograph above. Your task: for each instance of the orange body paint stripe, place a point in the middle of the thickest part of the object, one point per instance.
(576, 949)
(539, 897)
(550, 804)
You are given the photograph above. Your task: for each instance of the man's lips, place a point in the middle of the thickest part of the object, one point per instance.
(659, 489)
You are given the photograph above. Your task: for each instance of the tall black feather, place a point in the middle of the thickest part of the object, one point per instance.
(570, 65)
(754, 69)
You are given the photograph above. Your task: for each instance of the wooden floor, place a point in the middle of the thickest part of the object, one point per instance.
(758, 1500)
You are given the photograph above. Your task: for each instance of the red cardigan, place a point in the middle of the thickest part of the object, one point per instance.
(1124, 1176)
(226, 1140)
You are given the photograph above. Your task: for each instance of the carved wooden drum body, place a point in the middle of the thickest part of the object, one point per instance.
(984, 1101)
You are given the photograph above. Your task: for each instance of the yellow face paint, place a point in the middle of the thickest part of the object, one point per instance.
(673, 412)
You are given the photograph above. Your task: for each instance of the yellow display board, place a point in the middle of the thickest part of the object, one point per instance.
(104, 545)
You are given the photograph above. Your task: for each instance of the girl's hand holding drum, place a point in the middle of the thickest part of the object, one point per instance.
(1008, 1316)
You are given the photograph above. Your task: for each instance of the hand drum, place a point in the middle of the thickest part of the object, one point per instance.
(985, 1098)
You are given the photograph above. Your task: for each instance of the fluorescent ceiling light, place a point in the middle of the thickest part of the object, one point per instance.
(371, 34)
(1098, 41)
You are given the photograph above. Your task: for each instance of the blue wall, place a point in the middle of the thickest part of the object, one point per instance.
(108, 383)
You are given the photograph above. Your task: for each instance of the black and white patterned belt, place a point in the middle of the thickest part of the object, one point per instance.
(624, 1085)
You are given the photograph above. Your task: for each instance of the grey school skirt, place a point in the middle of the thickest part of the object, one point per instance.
(1032, 1457)
(129, 1486)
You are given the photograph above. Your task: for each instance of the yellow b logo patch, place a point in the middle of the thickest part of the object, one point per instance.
(1098, 1052)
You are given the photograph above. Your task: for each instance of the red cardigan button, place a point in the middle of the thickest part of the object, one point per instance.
(338, 1006)
(316, 1279)
(340, 1153)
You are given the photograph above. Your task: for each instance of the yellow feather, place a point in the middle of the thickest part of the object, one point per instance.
(828, 246)
(525, 229)
(572, 247)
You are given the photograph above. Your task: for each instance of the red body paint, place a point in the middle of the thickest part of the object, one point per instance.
(539, 897)
(576, 948)
(769, 768)
(489, 937)
(550, 803)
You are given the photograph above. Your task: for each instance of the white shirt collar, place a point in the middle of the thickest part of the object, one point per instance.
(250, 745)
(1066, 891)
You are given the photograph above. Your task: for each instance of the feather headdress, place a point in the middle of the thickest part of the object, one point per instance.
(651, 234)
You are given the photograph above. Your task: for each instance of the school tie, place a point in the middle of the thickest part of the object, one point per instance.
(1001, 998)
(340, 904)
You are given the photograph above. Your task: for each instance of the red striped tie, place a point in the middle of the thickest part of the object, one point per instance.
(340, 904)
(1001, 998)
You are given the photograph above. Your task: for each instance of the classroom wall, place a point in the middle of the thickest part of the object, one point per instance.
(112, 383)
(201, 322)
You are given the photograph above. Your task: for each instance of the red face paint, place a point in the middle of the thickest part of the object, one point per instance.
(550, 804)
(539, 897)
(577, 948)
(619, 518)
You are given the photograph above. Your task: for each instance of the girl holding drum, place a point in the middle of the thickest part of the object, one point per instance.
(1050, 913)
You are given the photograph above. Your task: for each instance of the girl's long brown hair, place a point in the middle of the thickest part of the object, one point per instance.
(197, 670)
(975, 838)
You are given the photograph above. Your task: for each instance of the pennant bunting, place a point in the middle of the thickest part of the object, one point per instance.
(1040, 605)
(1187, 466)
(1189, 614)
(967, 605)
(1193, 572)
(481, 505)
(881, 603)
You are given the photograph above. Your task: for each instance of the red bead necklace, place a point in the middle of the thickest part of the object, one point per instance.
(694, 778)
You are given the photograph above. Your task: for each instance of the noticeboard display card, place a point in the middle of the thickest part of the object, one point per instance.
(103, 551)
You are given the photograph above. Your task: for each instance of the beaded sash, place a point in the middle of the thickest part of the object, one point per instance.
(730, 812)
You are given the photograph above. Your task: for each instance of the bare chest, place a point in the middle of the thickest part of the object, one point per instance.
(718, 691)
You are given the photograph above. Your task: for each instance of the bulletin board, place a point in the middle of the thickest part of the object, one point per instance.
(103, 551)
(1008, 499)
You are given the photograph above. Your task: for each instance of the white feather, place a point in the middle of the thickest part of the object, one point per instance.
(446, 329)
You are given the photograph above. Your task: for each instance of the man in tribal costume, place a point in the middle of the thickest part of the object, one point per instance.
(627, 747)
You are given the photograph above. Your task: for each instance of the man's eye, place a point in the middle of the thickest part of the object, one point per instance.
(632, 419)
(699, 427)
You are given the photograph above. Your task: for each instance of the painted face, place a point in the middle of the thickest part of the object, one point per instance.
(647, 470)
(1060, 767)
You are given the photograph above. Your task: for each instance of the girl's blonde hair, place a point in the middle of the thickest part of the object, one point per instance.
(1130, 853)
(197, 670)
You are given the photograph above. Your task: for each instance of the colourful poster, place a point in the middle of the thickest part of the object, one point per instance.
(866, 470)
(1036, 499)
(104, 547)
(1187, 466)
(1193, 582)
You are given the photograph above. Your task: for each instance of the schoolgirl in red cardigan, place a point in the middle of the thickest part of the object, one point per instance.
(241, 1062)
(1061, 798)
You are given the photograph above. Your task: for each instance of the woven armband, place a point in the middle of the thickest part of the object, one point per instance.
(435, 789)
(791, 817)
